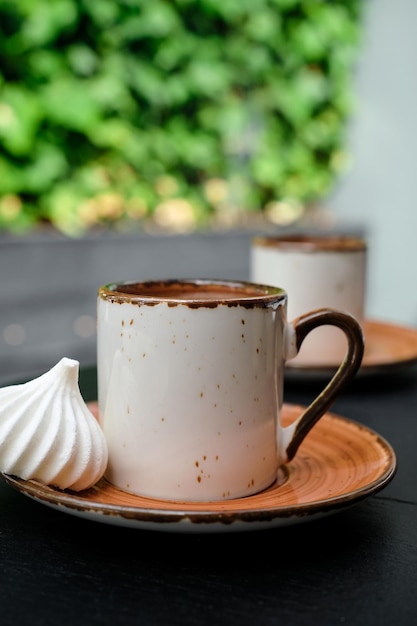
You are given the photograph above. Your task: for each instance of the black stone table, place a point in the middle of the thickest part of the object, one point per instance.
(356, 567)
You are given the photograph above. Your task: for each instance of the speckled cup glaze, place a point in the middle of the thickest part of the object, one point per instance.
(190, 385)
(317, 271)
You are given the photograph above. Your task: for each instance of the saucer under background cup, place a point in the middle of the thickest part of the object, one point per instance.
(389, 349)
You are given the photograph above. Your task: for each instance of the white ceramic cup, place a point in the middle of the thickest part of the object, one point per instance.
(317, 271)
(190, 385)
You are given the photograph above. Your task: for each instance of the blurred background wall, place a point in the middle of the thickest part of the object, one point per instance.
(48, 287)
(380, 193)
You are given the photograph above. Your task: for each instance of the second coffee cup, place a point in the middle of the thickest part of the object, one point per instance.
(318, 270)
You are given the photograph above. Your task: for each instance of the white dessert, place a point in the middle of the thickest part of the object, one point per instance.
(47, 432)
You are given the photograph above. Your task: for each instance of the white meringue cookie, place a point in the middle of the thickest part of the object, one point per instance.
(47, 432)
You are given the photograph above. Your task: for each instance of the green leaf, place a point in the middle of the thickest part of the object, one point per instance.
(49, 165)
(20, 117)
(206, 79)
(69, 103)
(110, 93)
(45, 20)
(83, 61)
(45, 65)
(10, 178)
(111, 133)
(146, 80)
(156, 19)
(104, 13)
(264, 26)
(300, 99)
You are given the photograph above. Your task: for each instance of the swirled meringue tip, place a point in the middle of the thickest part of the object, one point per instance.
(47, 432)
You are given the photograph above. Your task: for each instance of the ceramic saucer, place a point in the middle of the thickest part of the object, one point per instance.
(388, 348)
(338, 464)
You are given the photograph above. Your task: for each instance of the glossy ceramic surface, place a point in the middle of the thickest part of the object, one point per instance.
(388, 348)
(187, 381)
(317, 271)
(190, 383)
(339, 463)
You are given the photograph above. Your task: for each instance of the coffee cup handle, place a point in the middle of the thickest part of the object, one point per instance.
(297, 330)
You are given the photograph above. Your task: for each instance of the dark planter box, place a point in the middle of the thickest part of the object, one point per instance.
(48, 287)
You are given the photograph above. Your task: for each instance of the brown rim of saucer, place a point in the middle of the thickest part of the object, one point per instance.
(340, 463)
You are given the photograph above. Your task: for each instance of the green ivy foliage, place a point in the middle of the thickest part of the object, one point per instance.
(113, 110)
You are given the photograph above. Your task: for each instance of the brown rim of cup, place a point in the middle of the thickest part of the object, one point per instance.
(311, 243)
(186, 291)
